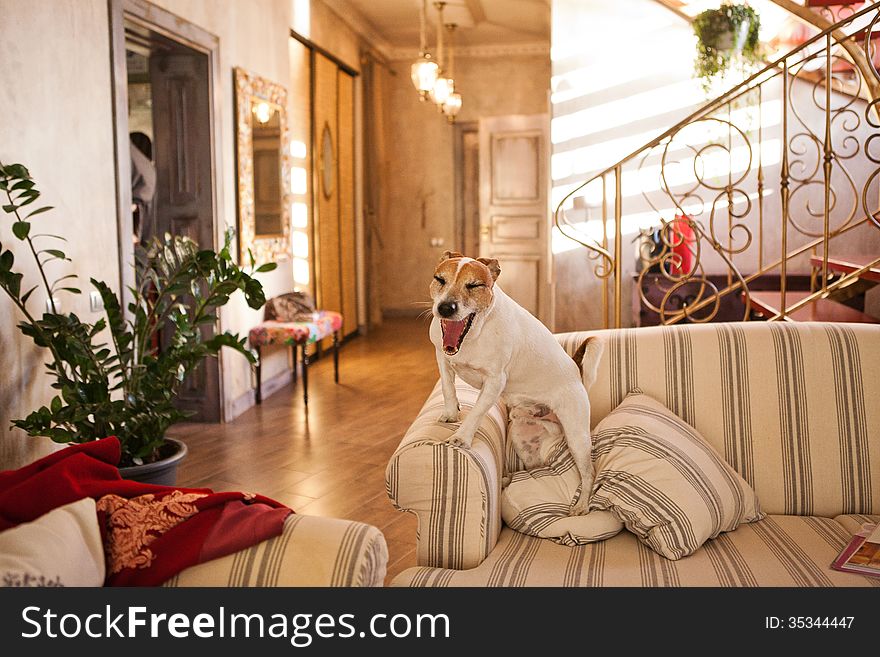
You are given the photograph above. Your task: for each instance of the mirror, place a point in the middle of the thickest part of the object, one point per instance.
(328, 163)
(263, 161)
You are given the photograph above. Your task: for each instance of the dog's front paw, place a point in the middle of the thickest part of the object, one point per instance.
(505, 481)
(447, 417)
(581, 507)
(461, 439)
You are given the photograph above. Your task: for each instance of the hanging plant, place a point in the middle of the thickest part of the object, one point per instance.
(727, 38)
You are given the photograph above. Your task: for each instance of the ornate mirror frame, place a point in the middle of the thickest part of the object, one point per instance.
(271, 248)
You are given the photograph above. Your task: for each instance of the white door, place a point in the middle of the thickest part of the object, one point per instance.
(514, 216)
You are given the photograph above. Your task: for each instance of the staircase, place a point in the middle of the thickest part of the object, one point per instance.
(765, 202)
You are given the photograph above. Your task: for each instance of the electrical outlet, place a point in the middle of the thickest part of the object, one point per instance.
(57, 305)
(96, 303)
(437, 241)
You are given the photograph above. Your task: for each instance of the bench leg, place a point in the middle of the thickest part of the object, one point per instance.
(336, 356)
(293, 360)
(305, 373)
(259, 376)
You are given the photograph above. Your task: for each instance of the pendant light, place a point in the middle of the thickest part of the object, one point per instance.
(443, 86)
(424, 70)
(451, 106)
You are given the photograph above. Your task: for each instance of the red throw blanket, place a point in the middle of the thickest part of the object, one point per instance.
(150, 532)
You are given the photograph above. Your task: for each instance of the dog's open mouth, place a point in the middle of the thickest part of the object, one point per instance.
(454, 332)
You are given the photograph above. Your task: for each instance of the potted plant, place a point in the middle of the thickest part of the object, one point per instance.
(126, 387)
(726, 37)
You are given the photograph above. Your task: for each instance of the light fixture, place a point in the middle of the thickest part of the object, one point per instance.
(442, 86)
(263, 111)
(430, 75)
(424, 70)
(452, 102)
(452, 106)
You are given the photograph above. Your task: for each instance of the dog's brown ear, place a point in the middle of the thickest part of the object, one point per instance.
(578, 356)
(492, 264)
(450, 254)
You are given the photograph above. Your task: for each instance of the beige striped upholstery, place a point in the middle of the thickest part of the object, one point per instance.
(791, 407)
(311, 551)
(776, 551)
(426, 475)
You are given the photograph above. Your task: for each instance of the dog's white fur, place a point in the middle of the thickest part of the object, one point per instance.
(509, 355)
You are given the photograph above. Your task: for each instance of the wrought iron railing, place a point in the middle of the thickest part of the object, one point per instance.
(782, 169)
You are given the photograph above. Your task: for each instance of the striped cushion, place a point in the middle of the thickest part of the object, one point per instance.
(777, 551)
(537, 502)
(324, 323)
(310, 551)
(664, 481)
(791, 406)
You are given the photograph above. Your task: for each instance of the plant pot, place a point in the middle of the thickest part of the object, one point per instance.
(731, 40)
(162, 472)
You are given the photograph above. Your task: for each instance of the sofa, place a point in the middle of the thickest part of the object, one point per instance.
(792, 407)
(310, 551)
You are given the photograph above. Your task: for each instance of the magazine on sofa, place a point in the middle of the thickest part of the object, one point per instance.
(862, 555)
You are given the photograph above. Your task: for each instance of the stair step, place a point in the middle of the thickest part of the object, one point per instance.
(820, 310)
(849, 264)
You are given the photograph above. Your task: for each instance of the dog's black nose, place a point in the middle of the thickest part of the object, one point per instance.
(447, 308)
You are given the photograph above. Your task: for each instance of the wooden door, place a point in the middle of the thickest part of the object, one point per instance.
(347, 230)
(514, 215)
(184, 201)
(326, 176)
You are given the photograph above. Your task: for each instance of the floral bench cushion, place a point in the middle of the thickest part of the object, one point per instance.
(324, 323)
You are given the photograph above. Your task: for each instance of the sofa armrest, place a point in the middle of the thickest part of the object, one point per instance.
(454, 492)
(310, 551)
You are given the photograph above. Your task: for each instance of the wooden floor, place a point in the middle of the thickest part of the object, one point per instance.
(331, 460)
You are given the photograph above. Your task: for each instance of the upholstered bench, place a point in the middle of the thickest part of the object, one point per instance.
(299, 335)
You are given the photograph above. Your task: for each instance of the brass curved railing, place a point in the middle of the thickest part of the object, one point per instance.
(719, 216)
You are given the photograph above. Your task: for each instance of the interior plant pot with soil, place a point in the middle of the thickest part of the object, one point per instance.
(727, 38)
(111, 377)
(162, 471)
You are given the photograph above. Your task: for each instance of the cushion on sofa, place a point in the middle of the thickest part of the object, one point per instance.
(661, 478)
(776, 551)
(60, 548)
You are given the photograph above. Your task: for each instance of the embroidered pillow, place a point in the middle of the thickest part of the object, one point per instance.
(660, 478)
(60, 548)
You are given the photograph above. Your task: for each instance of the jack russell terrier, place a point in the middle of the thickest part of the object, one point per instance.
(494, 344)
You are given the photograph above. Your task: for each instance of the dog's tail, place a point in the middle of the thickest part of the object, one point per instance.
(587, 358)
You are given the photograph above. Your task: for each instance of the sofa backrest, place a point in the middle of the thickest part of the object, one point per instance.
(793, 407)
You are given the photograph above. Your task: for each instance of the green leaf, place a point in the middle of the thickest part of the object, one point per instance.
(27, 295)
(40, 211)
(22, 184)
(72, 290)
(21, 229)
(6, 261)
(9, 209)
(14, 284)
(269, 266)
(55, 253)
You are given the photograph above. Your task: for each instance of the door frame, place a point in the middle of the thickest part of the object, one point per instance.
(192, 36)
(460, 128)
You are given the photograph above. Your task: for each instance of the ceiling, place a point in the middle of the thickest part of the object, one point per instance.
(481, 23)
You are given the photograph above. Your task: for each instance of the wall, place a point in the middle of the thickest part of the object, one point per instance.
(421, 190)
(56, 105)
(56, 108)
